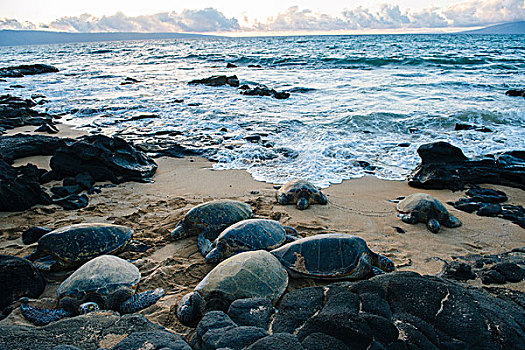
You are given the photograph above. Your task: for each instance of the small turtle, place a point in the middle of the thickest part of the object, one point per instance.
(422, 207)
(255, 274)
(208, 220)
(332, 256)
(302, 193)
(73, 245)
(18, 278)
(251, 234)
(106, 282)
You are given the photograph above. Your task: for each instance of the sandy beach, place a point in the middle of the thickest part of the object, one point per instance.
(361, 207)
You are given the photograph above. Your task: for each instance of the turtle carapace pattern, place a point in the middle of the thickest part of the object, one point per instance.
(106, 282)
(302, 193)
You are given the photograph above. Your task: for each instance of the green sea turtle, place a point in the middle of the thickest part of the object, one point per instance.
(302, 193)
(106, 282)
(422, 207)
(251, 234)
(208, 220)
(333, 256)
(73, 245)
(255, 274)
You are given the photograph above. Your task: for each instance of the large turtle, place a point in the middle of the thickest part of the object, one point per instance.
(255, 274)
(251, 234)
(18, 278)
(208, 220)
(333, 256)
(73, 245)
(302, 193)
(106, 282)
(422, 207)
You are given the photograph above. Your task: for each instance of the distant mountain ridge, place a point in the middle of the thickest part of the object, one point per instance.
(506, 28)
(37, 37)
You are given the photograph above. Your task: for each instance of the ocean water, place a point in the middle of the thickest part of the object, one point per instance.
(359, 104)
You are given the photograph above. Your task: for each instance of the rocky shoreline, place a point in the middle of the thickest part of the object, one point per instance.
(399, 310)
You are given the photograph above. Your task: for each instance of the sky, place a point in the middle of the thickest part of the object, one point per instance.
(238, 17)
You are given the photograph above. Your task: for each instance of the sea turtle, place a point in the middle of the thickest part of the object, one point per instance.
(255, 274)
(302, 193)
(75, 244)
(333, 256)
(422, 207)
(18, 278)
(251, 234)
(208, 220)
(106, 282)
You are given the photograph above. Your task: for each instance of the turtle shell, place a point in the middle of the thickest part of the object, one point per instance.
(101, 276)
(252, 234)
(245, 275)
(326, 256)
(295, 187)
(425, 205)
(82, 242)
(18, 278)
(211, 218)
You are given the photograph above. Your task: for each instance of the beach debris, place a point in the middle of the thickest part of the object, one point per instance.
(248, 235)
(106, 282)
(487, 202)
(334, 256)
(73, 245)
(255, 274)
(444, 166)
(422, 207)
(208, 220)
(26, 69)
(217, 80)
(19, 278)
(300, 192)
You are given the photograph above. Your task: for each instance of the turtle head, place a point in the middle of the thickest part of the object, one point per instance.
(433, 225)
(213, 257)
(190, 309)
(178, 232)
(302, 203)
(386, 264)
(88, 307)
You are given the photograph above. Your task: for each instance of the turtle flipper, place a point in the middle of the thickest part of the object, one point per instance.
(190, 309)
(213, 257)
(409, 218)
(376, 271)
(41, 317)
(137, 246)
(282, 199)
(302, 203)
(320, 198)
(46, 263)
(452, 222)
(178, 232)
(140, 301)
(204, 244)
(433, 225)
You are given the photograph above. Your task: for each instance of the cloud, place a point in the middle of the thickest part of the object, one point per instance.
(205, 20)
(388, 16)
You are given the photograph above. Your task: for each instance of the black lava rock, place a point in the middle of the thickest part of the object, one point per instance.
(492, 277)
(23, 145)
(251, 312)
(489, 210)
(90, 331)
(218, 80)
(511, 271)
(73, 202)
(26, 69)
(236, 338)
(33, 234)
(515, 93)
(261, 90)
(18, 278)
(104, 158)
(444, 166)
(64, 191)
(322, 341)
(20, 187)
(278, 341)
(457, 271)
(486, 195)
